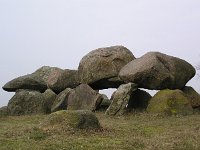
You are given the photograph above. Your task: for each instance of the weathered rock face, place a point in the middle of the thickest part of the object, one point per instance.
(73, 119)
(49, 98)
(84, 97)
(60, 79)
(193, 96)
(100, 67)
(170, 102)
(120, 99)
(139, 100)
(61, 101)
(26, 102)
(44, 72)
(26, 82)
(3, 111)
(35, 81)
(158, 71)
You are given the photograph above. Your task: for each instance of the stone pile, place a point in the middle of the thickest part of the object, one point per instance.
(50, 89)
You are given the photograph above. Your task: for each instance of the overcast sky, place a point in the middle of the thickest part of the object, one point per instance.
(59, 33)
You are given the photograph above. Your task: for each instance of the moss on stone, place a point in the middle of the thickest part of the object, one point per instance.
(75, 119)
(170, 102)
(26, 102)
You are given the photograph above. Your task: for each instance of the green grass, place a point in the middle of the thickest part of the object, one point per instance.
(132, 132)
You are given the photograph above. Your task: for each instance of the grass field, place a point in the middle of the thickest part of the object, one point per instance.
(133, 132)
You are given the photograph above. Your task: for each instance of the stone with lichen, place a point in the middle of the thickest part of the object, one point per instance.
(170, 102)
(71, 119)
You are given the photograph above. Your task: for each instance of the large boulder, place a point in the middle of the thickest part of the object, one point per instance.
(26, 102)
(158, 71)
(60, 79)
(170, 102)
(100, 67)
(193, 96)
(29, 81)
(120, 99)
(73, 119)
(139, 100)
(35, 81)
(49, 98)
(84, 97)
(44, 72)
(61, 101)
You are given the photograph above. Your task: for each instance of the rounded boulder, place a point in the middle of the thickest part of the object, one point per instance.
(170, 102)
(100, 67)
(157, 71)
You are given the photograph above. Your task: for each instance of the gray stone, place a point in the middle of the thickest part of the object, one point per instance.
(44, 72)
(26, 102)
(193, 96)
(36, 81)
(4, 111)
(100, 67)
(60, 79)
(49, 98)
(120, 99)
(61, 101)
(105, 102)
(84, 97)
(158, 71)
(30, 81)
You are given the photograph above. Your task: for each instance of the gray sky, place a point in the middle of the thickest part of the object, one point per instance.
(59, 33)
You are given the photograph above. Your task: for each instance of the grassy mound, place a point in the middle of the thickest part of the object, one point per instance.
(71, 119)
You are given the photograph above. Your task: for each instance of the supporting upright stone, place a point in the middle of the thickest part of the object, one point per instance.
(26, 102)
(61, 100)
(120, 99)
(193, 96)
(84, 97)
(36, 81)
(49, 98)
